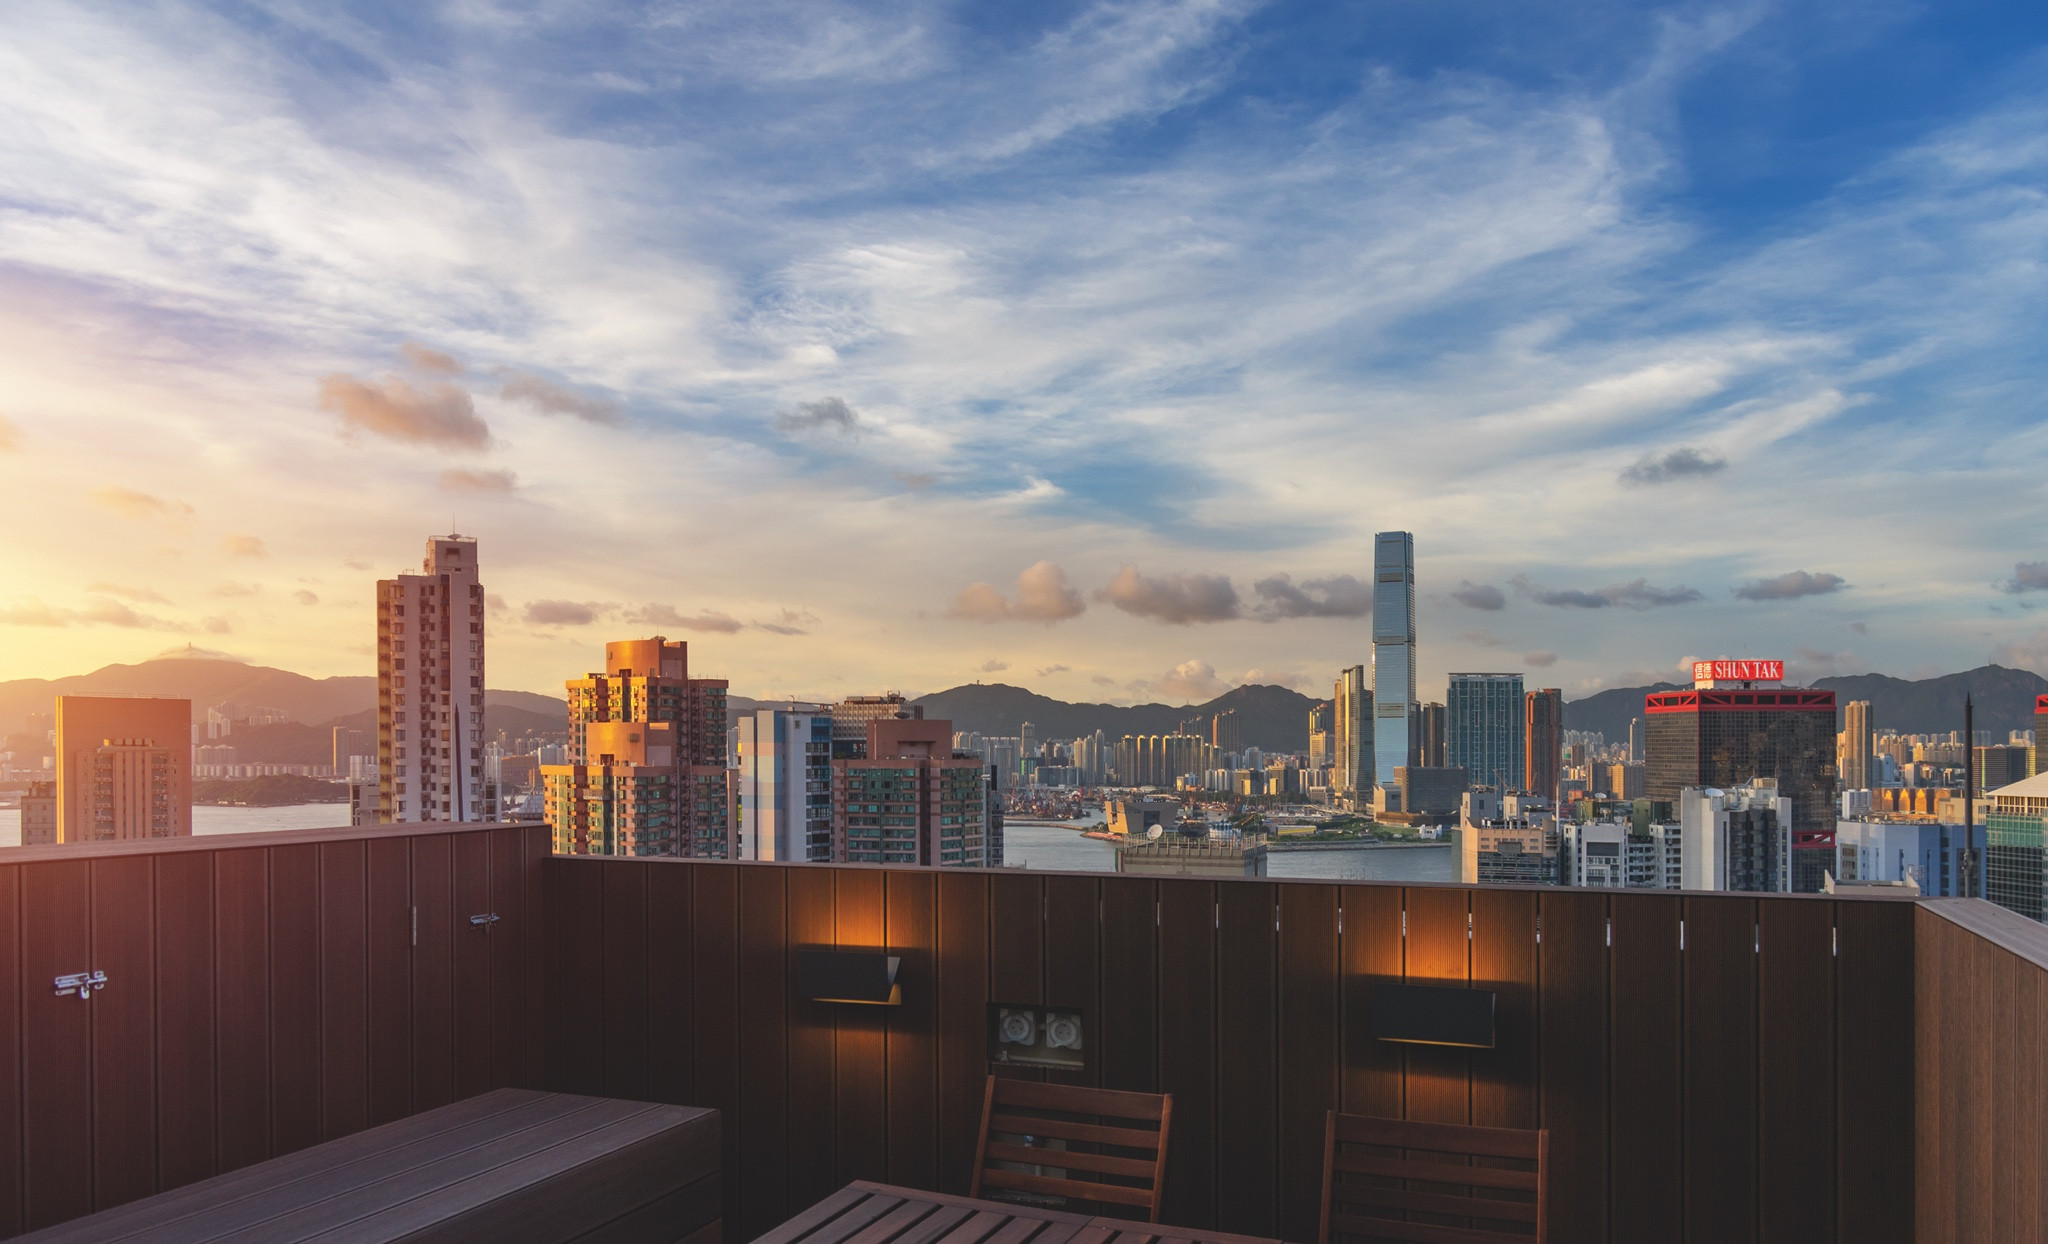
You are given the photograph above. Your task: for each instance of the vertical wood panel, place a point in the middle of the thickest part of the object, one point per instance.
(910, 916)
(1720, 1068)
(1439, 952)
(478, 1061)
(1371, 919)
(57, 1104)
(622, 975)
(344, 987)
(1247, 1085)
(963, 997)
(388, 919)
(862, 1084)
(535, 843)
(1127, 1035)
(124, 1030)
(1016, 945)
(1649, 1032)
(13, 994)
(1571, 1017)
(1874, 1131)
(1307, 1052)
(518, 1029)
(1504, 960)
(671, 986)
(764, 1049)
(714, 1005)
(187, 1104)
(576, 1036)
(813, 1149)
(434, 1054)
(295, 1027)
(1796, 1073)
(241, 952)
(1073, 959)
(1187, 1046)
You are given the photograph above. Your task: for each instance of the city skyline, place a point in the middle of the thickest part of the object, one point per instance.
(814, 273)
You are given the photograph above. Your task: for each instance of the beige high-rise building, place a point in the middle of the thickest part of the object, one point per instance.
(1856, 745)
(430, 689)
(1351, 770)
(124, 768)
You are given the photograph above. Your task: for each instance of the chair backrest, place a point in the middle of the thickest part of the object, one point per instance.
(1388, 1179)
(1046, 1142)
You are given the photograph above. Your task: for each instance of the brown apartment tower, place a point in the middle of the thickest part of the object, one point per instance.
(430, 689)
(124, 770)
(646, 772)
(1542, 741)
(911, 799)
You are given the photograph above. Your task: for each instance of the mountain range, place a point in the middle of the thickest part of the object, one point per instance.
(1274, 719)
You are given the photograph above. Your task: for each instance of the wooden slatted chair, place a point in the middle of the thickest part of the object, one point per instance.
(1386, 1179)
(1114, 1145)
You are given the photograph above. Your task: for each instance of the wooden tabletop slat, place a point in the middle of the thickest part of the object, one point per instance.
(872, 1213)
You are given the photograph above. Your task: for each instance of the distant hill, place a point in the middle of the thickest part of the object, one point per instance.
(2004, 700)
(315, 704)
(1273, 718)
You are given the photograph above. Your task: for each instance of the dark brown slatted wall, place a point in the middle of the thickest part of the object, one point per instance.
(258, 997)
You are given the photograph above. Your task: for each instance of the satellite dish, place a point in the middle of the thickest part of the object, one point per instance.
(1156, 832)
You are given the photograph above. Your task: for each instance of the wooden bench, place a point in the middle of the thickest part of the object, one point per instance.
(509, 1165)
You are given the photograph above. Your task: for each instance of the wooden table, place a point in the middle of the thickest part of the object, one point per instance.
(871, 1213)
(509, 1165)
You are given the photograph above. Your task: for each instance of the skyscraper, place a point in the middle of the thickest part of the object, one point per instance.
(1483, 730)
(124, 770)
(646, 772)
(1322, 735)
(785, 785)
(1543, 736)
(430, 689)
(1351, 773)
(1393, 652)
(1856, 745)
(1226, 731)
(909, 799)
(1429, 746)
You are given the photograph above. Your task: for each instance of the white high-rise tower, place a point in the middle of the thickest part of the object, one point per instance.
(430, 689)
(1393, 651)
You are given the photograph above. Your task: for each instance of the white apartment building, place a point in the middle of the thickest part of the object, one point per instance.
(430, 689)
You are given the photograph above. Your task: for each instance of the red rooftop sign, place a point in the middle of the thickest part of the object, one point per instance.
(1738, 671)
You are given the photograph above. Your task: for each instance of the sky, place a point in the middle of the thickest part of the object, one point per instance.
(1077, 346)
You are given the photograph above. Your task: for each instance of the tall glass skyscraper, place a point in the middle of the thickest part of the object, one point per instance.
(1483, 728)
(1393, 652)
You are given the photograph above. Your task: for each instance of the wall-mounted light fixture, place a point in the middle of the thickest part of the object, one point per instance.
(863, 977)
(1035, 1036)
(1432, 1014)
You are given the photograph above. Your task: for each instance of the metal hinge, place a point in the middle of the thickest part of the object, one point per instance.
(81, 983)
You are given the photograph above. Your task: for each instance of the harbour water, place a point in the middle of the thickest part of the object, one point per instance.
(1055, 847)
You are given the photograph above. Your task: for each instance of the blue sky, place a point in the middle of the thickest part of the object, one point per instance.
(903, 345)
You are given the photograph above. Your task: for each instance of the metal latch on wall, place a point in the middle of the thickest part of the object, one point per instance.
(485, 921)
(81, 983)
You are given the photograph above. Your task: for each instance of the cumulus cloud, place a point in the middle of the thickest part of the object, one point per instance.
(244, 546)
(129, 503)
(1479, 596)
(305, 597)
(1176, 599)
(1047, 671)
(993, 666)
(1684, 462)
(668, 615)
(424, 359)
(440, 415)
(1191, 682)
(561, 613)
(830, 414)
(456, 479)
(1102, 680)
(1791, 586)
(97, 613)
(1042, 595)
(1340, 596)
(1540, 660)
(233, 589)
(144, 594)
(1635, 594)
(549, 398)
(2026, 577)
(10, 436)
